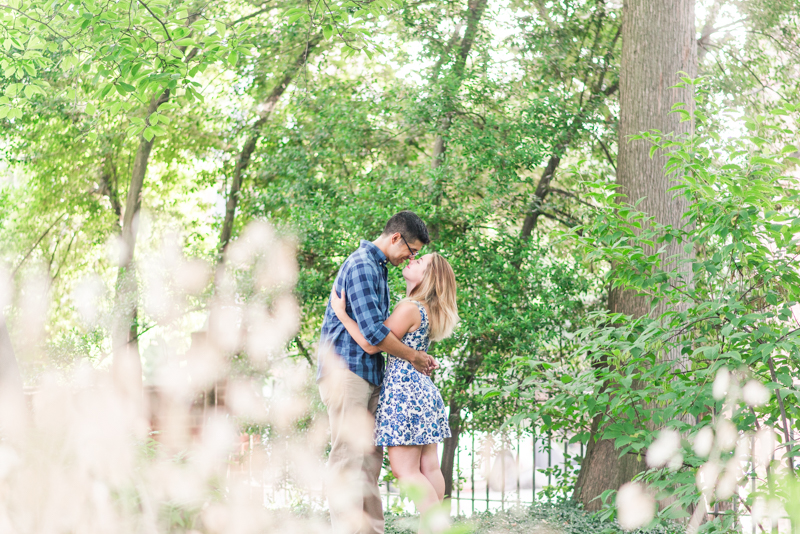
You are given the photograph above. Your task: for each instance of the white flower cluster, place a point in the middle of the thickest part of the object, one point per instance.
(85, 452)
(723, 474)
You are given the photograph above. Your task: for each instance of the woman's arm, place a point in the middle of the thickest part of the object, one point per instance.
(404, 318)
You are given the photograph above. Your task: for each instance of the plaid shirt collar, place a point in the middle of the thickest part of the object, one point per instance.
(374, 252)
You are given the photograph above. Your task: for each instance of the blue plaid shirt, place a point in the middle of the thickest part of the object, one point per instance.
(363, 276)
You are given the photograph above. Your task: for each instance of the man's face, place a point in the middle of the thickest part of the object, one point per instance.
(401, 250)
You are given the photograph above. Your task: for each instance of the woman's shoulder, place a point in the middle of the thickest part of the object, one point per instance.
(407, 308)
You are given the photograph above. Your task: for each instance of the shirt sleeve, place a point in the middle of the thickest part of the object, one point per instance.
(362, 286)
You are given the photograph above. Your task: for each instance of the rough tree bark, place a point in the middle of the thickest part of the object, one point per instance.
(243, 160)
(127, 365)
(658, 41)
(463, 381)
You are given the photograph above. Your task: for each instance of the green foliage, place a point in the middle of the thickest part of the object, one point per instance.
(729, 307)
(121, 54)
(351, 142)
(561, 518)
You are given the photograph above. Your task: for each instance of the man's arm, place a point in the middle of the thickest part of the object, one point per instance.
(422, 361)
(361, 282)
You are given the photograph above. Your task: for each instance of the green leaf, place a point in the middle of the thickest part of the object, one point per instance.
(148, 134)
(90, 109)
(327, 31)
(292, 19)
(233, 58)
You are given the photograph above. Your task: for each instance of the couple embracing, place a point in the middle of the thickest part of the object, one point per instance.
(399, 408)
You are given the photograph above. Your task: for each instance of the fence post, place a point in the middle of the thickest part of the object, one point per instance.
(549, 460)
(458, 480)
(472, 474)
(503, 472)
(519, 449)
(533, 433)
(488, 476)
(752, 477)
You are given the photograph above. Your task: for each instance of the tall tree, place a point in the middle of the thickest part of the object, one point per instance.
(658, 43)
(265, 110)
(472, 18)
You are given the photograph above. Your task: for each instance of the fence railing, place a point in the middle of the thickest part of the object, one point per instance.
(495, 471)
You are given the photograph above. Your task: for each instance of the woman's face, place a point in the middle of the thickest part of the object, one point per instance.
(414, 271)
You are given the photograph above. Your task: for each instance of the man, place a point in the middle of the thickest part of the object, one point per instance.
(350, 379)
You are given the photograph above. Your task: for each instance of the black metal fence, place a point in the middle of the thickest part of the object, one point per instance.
(495, 471)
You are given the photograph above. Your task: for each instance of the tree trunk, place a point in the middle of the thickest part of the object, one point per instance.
(127, 364)
(658, 41)
(542, 188)
(265, 110)
(461, 383)
(475, 11)
(451, 446)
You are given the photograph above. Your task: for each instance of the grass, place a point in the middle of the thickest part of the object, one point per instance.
(562, 518)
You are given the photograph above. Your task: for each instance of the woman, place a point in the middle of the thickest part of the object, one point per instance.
(410, 419)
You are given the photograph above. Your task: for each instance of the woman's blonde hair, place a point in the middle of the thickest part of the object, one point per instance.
(437, 290)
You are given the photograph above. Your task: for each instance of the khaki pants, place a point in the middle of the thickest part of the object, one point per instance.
(354, 464)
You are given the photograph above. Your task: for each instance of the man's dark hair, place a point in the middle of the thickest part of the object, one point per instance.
(409, 225)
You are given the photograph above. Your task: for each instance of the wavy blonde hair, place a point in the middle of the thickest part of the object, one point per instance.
(437, 290)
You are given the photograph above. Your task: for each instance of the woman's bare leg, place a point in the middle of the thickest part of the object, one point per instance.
(429, 466)
(406, 462)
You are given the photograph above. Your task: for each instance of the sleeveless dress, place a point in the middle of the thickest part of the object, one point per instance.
(410, 410)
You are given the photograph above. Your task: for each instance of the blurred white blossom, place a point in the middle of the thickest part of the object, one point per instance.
(706, 479)
(727, 436)
(764, 446)
(755, 393)
(635, 507)
(703, 441)
(86, 297)
(767, 513)
(91, 451)
(721, 383)
(664, 449)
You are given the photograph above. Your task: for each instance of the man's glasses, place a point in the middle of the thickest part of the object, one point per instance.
(410, 250)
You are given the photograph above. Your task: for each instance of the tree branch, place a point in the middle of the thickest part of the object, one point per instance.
(571, 195)
(36, 244)
(304, 351)
(169, 37)
(783, 412)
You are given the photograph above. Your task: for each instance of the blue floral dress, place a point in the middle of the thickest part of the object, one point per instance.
(410, 410)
